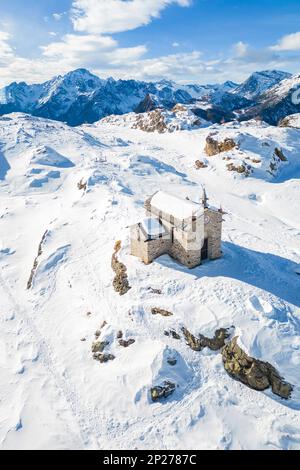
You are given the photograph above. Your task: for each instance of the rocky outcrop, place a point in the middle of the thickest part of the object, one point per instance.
(214, 147)
(280, 155)
(172, 333)
(148, 104)
(242, 169)
(161, 311)
(120, 282)
(36, 261)
(102, 358)
(126, 343)
(201, 342)
(99, 346)
(199, 164)
(162, 391)
(153, 121)
(252, 372)
(291, 121)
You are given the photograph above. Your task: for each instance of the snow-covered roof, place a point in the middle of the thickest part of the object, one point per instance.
(153, 227)
(173, 205)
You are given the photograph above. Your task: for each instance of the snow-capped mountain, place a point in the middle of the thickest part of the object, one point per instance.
(81, 97)
(259, 82)
(67, 194)
(278, 102)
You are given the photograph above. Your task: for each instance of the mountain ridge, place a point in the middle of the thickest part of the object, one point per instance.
(81, 97)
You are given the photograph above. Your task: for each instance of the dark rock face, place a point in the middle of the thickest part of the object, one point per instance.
(214, 114)
(161, 311)
(279, 154)
(252, 372)
(148, 104)
(201, 342)
(162, 391)
(214, 147)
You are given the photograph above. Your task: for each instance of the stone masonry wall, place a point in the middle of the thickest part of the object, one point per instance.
(213, 231)
(149, 250)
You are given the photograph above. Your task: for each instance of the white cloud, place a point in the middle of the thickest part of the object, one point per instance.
(6, 51)
(175, 44)
(57, 16)
(74, 45)
(112, 16)
(241, 49)
(290, 42)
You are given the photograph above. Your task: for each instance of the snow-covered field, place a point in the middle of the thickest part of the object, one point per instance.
(52, 393)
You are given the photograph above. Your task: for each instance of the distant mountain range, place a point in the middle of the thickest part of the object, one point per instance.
(81, 97)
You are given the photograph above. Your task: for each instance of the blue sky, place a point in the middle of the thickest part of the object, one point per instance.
(202, 41)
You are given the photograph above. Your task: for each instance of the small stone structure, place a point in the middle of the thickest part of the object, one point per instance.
(189, 232)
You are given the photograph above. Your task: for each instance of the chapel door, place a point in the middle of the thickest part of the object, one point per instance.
(204, 250)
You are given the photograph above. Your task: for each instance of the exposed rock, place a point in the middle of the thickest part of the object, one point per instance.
(214, 147)
(201, 342)
(154, 121)
(179, 108)
(252, 372)
(172, 333)
(155, 291)
(148, 104)
(36, 261)
(241, 169)
(97, 333)
(126, 343)
(120, 282)
(291, 121)
(120, 334)
(279, 154)
(161, 311)
(83, 339)
(81, 185)
(104, 357)
(99, 346)
(199, 164)
(162, 391)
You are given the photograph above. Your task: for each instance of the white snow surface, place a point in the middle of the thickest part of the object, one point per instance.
(152, 226)
(53, 395)
(177, 206)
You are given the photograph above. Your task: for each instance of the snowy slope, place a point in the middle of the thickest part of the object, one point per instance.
(53, 394)
(291, 121)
